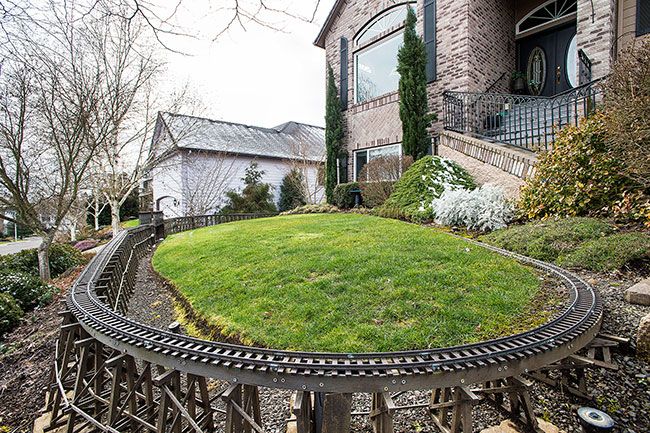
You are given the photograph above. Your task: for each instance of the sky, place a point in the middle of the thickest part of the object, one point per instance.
(257, 75)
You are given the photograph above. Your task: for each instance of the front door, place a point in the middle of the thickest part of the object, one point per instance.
(549, 60)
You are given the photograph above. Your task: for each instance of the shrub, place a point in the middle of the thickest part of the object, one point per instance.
(26, 289)
(485, 208)
(10, 313)
(343, 196)
(292, 192)
(550, 239)
(62, 258)
(312, 208)
(579, 177)
(256, 196)
(86, 244)
(627, 111)
(609, 253)
(379, 177)
(421, 184)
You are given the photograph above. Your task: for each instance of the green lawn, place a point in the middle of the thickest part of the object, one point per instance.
(131, 223)
(346, 283)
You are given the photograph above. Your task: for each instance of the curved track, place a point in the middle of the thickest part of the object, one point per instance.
(90, 302)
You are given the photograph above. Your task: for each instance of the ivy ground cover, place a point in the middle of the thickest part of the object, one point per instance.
(346, 283)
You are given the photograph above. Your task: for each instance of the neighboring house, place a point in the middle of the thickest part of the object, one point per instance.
(473, 48)
(198, 160)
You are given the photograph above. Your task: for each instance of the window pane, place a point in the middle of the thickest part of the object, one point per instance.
(572, 62)
(384, 151)
(361, 160)
(377, 69)
(383, 23)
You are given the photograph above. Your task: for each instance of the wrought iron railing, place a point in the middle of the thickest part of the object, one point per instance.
(528, 122)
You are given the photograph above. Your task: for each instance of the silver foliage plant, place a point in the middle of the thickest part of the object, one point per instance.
(485, 208)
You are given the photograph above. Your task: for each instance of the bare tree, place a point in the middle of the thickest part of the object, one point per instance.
(201, 181)
(51, 92)
(130, 71)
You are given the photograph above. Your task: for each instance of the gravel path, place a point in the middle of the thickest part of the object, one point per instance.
(624, 394)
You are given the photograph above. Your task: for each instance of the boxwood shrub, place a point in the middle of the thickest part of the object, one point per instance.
(10, 313)
(420, 185)
(343, 196)
(62, 258)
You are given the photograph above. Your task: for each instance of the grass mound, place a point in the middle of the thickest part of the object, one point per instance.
(346, 283)
(587, 243)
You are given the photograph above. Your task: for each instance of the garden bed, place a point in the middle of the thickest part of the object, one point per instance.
(349, 283)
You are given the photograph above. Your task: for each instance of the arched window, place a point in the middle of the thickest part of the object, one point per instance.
(386, 21)
(550, 12)
(376, 63)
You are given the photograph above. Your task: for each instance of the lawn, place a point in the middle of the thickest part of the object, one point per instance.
(346, 283)
(131, 223)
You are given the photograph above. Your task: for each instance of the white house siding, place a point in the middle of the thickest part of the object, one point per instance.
(168, 177)
(167, 187)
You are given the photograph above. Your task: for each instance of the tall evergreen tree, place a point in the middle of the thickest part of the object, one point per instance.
(414, 104)
(333, 133)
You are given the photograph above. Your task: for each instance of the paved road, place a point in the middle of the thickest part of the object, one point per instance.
(14, 247)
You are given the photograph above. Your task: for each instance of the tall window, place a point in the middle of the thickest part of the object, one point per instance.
(376, 65)
(362, 157)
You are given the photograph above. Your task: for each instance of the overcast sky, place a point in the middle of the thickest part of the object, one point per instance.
(259, 76)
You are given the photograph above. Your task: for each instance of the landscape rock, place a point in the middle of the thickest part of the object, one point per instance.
(639, 293)
(643, 338)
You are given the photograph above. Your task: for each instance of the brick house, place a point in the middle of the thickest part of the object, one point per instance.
(485, 121)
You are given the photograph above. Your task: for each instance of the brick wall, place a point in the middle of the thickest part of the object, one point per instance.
(491, 44)
(597, 37)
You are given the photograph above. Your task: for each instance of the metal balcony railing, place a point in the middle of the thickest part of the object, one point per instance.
(528, 122)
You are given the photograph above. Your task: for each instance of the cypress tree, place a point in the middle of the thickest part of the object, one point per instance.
(333, 134)
(414, 104)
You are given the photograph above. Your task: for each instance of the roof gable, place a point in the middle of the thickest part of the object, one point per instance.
(331, 17)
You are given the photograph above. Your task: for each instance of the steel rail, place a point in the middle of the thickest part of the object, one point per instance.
(566, 333)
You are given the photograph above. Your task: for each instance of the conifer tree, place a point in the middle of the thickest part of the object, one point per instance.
(413, 105)
(333, 134)
(292, 193)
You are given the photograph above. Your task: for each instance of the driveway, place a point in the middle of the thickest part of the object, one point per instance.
(14, 247)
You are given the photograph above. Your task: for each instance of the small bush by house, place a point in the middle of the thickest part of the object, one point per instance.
(343, 195)
(256, 196)
(420, 185)
(292, 193)
(379, 177)
(579, 177)
(27, 290)
(485, 208)
(10, 313)
(62, 258)
(627, 110)
(586, 243)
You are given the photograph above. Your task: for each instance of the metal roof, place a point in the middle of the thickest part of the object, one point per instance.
(291, 140)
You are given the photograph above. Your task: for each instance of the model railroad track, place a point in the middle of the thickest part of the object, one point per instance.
(100, 297)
